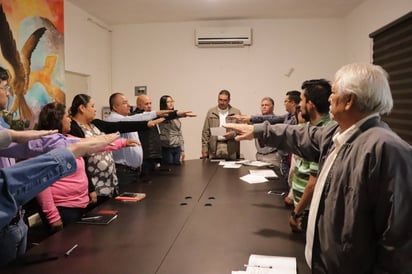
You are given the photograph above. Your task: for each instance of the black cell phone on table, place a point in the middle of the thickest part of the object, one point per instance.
(38, 258)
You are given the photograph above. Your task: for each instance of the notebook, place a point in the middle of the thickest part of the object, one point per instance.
(97, 218)
(130, 196)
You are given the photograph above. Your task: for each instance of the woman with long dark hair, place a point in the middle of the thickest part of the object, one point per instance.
(171, 136)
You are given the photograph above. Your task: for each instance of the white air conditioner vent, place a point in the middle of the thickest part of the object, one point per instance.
(223, 37)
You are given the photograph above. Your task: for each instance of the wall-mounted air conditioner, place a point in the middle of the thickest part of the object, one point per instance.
(223, 37)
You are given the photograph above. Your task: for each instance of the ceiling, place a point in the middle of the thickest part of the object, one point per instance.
(150, 11)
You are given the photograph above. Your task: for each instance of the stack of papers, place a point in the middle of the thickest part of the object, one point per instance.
(267, 173)
(257, 176)
(253, 179)
(238, 164)
(218, 131)
(230, 164)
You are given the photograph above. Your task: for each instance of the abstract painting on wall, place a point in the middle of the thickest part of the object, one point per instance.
(32, 51)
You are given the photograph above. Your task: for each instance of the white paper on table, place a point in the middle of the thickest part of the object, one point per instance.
(256, 163)
(242, 161)
(261, 264)
(253, 179)
(231, 165)
(217, 131)
(267, 173)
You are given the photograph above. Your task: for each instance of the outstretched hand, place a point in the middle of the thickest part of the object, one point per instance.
(187, 113)
(93, 144)
(241, 118)
(155, 122)
(27, 135)
(132, 143)
(163, 113)
(244, 131)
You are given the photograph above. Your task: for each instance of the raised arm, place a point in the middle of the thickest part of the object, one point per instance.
(272, 119)
(8, 136)
(122, 126)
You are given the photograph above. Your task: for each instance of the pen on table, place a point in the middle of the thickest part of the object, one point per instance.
(260, 266)
(91, 218)
(68, 252)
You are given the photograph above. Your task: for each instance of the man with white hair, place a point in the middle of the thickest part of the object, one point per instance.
(359, 219)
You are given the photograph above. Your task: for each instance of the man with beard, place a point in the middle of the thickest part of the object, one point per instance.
(314, 107)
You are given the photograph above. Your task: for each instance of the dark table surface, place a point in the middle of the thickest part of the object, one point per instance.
(198, 218)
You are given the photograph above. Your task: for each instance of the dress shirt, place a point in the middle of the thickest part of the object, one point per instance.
(130, 156)
(222, 121)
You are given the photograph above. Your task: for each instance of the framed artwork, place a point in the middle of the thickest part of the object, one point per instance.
(105, 112)
(32, 51)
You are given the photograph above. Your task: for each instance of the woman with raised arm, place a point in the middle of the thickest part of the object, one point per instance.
(66, 200)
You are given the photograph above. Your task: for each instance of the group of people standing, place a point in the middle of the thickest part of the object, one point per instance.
(348, 173)
(98, 176)
(360, 202)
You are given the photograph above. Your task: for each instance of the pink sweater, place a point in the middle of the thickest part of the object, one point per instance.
(70, 191)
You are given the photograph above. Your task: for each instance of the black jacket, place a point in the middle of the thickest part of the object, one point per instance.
(150, 140)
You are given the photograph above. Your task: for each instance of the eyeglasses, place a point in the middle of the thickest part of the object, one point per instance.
(170, 101)
(6, 88)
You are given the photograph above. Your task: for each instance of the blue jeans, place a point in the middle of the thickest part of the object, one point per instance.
(13, 241)
(171, 155)
(18, 185)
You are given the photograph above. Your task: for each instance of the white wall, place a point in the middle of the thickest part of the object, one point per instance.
(367, 18)
(163, 57)
(75, 83)
(88, 52)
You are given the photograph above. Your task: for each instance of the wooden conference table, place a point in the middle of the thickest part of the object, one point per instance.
(199, 218)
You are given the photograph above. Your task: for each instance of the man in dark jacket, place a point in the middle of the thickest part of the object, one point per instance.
(359, 219)
(150, 140)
